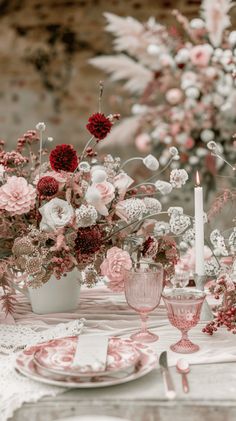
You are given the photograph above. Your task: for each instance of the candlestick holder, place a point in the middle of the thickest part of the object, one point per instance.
(206, 312)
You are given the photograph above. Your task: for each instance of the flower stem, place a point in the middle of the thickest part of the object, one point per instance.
(40, 150)
(85, 148)
(129, 160)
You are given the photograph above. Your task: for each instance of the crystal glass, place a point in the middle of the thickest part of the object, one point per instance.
(180, 279)
(183, 309)
(143, 289)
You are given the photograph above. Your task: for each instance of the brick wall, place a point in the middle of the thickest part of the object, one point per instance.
(44, 48)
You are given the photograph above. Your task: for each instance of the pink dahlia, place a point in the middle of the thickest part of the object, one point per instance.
(17, 196)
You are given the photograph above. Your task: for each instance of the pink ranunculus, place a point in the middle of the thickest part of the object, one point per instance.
(17, 196)
(174, 96)
(113, 265)
(189, 144)
(106, 190)
(200, 55)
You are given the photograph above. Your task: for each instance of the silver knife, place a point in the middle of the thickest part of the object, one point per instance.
(167, 379)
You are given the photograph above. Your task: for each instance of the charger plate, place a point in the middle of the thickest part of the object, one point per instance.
(25, 364)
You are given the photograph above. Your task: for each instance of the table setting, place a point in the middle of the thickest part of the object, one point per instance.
(116, 299)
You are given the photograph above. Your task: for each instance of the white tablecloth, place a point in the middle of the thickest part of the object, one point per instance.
(106, 312)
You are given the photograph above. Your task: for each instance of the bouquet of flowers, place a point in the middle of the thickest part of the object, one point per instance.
(183, 88)
(79, 210)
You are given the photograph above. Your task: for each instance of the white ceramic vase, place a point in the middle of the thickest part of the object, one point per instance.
(57, 295)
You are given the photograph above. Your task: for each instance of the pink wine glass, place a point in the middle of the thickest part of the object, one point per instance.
(183, 309)
(143, 289)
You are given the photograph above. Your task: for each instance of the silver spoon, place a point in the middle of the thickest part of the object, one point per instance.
(183, 368)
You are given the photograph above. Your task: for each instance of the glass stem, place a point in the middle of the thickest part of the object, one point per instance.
(144, 318)
(185, 336)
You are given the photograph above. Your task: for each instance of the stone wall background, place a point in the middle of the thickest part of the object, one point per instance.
(44, 50)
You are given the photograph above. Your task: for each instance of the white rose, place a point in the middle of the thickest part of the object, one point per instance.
(55, 214)
(151, 162)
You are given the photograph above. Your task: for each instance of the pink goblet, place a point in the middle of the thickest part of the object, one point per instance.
(183, 309)
(143, 288)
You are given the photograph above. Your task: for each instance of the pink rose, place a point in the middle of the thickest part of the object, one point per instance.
(113, 265)
(200, 55)
(174, 96)
(106, 191)
(99, 195)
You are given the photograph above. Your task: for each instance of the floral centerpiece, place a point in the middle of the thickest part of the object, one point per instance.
(79, 211)
(182, 83)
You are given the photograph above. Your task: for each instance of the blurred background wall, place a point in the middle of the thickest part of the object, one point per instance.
(44, 50)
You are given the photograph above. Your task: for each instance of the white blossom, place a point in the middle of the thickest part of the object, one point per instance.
(84, 166)
(163, 186)
(86, 216)
(41, 126)
(178, 178)
(151, 162)
(55, 214)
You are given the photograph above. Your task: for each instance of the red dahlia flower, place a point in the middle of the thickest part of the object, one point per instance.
(47, 186)
(88, 240)
(99, 125)
(63, 158)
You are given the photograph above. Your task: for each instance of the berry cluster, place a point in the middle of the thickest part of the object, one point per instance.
(225, 317)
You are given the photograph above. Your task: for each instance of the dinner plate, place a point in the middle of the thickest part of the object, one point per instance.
(57, 357)
(25, 365)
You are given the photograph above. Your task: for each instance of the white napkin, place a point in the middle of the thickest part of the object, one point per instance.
(91, 353)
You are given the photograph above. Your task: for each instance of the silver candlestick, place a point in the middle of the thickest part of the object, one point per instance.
(206, 312)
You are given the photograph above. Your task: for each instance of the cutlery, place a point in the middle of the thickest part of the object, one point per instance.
(167, 379)
(183, 368)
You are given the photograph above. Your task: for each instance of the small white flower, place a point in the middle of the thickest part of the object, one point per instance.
(86, 216)
(151, 162)
(192, 92)
(197, 23)
(50, 139)
(207, 135)
(175, 210)
(178, 178)
(153, 49)
(84, 166)
(163, 186)
(41, 126)
(212, 145)
(153, 205)
(182, 56)
(98, 176)
(174, 151)
(55, 214)
(161, 228)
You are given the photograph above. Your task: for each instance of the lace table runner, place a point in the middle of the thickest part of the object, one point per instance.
(16, 389)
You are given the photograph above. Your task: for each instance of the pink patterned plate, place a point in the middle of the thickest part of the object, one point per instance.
(57, 357)
(25, 365)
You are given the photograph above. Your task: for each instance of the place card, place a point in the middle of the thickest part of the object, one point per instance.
(91, 353)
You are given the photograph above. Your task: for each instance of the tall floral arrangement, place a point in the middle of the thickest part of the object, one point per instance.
(64, 210)
(182, 83)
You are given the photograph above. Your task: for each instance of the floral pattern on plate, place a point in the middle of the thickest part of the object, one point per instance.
(25, 364)
(59, 356)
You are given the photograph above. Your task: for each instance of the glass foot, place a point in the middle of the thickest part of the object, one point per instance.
(184, 346)
(144, 336)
